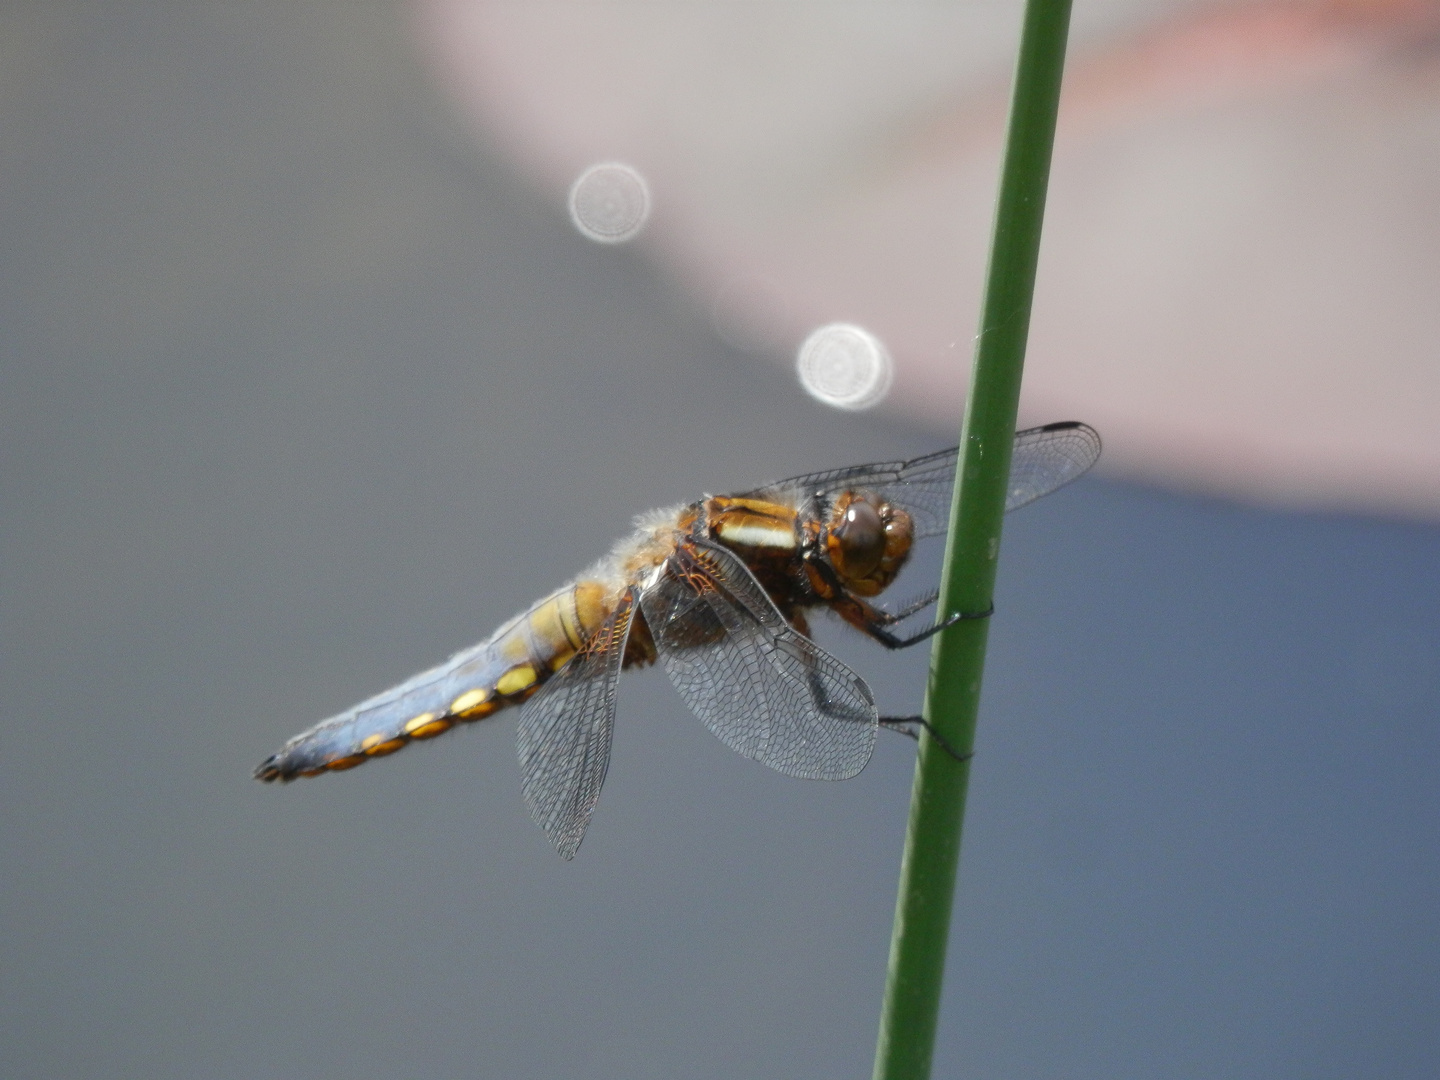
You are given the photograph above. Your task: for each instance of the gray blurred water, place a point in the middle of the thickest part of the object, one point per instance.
(302, 391)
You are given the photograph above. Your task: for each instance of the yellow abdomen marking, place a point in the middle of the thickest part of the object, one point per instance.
(548, 633)
(379, 746)
(514, 646)
(587, 608)
(559, 626)
(550, 640)
(467, 702)
(426, 726)
(515, 680)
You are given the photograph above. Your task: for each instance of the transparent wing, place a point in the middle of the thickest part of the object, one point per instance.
(765, 690)
(1047, 458)
(564, 734)
(1044, 459)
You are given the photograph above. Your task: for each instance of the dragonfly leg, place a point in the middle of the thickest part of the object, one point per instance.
(873, 622)
(911, 725)
(890, 618)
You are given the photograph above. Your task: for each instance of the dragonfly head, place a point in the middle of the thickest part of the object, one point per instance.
(867, 541)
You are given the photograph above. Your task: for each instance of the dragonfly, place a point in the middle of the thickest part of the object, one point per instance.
(719, 592)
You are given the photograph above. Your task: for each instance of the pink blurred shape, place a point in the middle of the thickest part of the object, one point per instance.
(1240, 283)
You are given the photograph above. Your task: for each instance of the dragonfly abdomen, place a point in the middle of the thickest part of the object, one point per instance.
(472, 685)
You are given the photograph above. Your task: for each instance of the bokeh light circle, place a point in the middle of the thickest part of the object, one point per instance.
(845, 366)
(610, 202)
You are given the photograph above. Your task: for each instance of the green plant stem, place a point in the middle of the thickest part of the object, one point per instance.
(937, 804)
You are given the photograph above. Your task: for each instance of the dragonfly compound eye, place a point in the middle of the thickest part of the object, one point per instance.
(857, 542)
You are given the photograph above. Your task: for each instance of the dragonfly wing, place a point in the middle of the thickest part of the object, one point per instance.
(564, 734)
(765, 690)
(1047, 458)
(1044, 459)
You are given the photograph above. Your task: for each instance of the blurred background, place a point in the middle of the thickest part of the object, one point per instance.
(308, 380)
